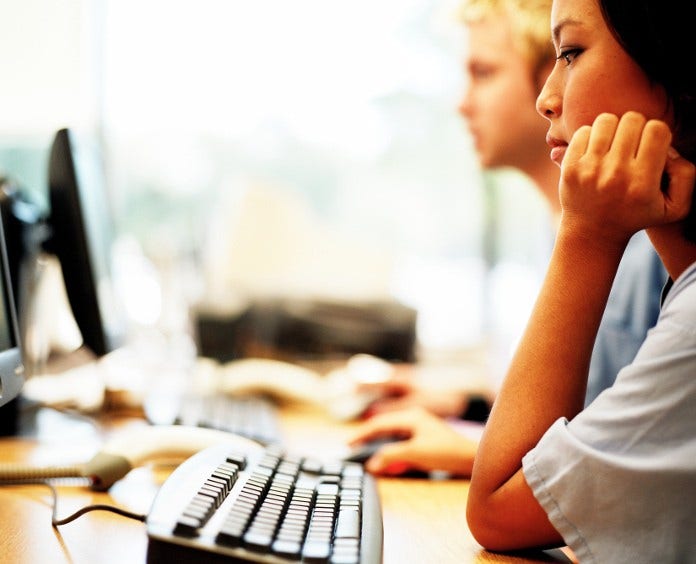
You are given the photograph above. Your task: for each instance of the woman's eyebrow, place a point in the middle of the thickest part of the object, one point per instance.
(556, 31)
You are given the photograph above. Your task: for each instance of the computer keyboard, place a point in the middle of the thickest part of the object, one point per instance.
(253, 417)
(269, 506)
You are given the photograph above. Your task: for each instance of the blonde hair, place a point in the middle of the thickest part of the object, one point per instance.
(530, 22)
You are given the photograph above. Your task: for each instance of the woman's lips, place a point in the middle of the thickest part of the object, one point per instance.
(558, 149)
(557, 153)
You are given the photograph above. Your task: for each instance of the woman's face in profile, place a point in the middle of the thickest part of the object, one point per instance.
(593, 74)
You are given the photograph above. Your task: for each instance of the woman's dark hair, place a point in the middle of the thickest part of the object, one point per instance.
(659, 36)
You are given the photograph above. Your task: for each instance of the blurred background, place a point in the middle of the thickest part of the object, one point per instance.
(279, 148)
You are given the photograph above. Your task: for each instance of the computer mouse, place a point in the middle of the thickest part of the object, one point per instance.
(360, 453)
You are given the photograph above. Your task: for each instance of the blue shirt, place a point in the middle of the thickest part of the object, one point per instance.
(632, 309)
(618, 482)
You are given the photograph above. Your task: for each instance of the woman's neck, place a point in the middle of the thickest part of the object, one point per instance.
(676, 253)
(546, 175)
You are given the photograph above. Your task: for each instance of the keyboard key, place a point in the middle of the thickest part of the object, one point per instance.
(348, 524)
(230, 534)
(340, 558)
(238, 460)
(288, 548)
(258, 540)
(187, 526)
(316, 552)
(352, 557)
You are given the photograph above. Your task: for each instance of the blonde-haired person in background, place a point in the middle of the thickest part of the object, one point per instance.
(509, 56)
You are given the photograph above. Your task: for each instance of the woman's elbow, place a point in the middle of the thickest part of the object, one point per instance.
(502, 522)
(483, 525)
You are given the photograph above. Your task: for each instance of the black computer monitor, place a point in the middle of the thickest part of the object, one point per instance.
(81, 237)
(11, 368)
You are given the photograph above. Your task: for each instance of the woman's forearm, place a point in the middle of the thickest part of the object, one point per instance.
(548, 374)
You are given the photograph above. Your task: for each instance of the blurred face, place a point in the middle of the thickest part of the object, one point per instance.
(593, 74)
(498, 104)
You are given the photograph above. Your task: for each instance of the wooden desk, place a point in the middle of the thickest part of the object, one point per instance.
(424, 520)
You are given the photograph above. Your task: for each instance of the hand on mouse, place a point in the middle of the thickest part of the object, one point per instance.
(431, 444)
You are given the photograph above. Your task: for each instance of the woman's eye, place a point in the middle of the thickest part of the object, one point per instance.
(569, 55)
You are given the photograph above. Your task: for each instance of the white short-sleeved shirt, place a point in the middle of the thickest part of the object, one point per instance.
(618, 482)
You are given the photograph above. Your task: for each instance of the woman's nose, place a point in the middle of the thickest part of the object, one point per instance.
(549, 102)
(548, 105)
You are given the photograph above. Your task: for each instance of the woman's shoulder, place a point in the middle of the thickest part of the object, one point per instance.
(679, 303)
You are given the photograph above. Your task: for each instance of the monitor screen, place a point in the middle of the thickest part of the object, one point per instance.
(11, 369)
(82, 235)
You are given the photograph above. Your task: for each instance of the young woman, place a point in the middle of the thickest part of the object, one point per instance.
(508, 58)
(617, 480)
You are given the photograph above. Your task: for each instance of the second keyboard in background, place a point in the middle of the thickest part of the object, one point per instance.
(254, 417)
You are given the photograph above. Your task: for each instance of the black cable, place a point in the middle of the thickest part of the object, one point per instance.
(97, 507)
(55, 522)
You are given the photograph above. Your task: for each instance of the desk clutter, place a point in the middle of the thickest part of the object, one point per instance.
(294, 328)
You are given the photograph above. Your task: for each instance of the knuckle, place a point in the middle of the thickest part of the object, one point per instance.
(658, 130)
(589, 172)
(634, 117)
(607, 118)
